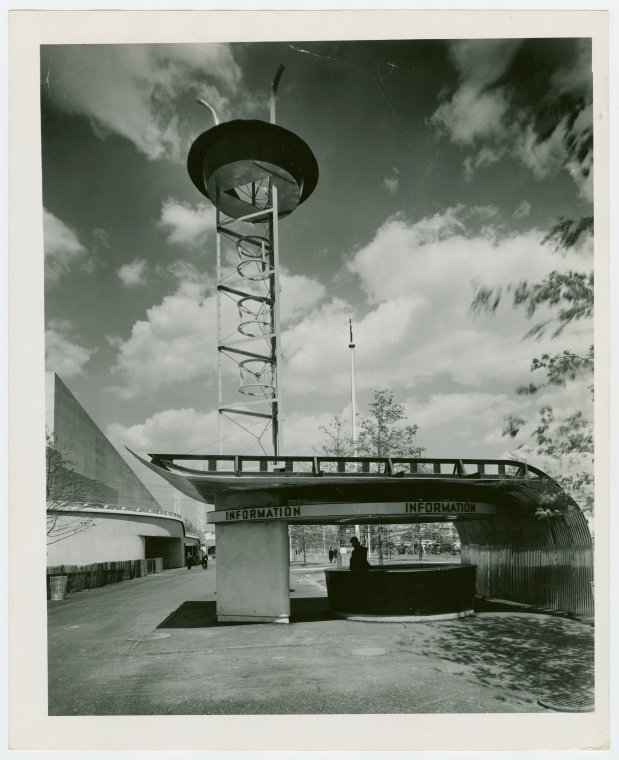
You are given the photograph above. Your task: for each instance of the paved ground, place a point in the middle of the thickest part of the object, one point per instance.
(152, 646)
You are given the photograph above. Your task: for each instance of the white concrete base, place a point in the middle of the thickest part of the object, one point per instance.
(402, 618)
(252, 619)
(253, 582)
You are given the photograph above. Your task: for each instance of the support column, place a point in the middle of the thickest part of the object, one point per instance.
(253, 581)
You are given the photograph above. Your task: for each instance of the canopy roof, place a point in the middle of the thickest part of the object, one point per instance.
(505, 483)
(528, 538)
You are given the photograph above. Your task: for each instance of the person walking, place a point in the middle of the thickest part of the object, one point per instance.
(188, 560)
(205, 561)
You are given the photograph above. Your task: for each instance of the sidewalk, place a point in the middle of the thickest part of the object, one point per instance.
(153, 646)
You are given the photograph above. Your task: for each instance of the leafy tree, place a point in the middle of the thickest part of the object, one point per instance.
(381, 433)
(339, 443)
(65, 493)
(312, 538)
(565, 233)
(191, 528)
(571, 296)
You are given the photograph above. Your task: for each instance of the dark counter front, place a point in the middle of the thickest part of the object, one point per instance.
(411, 589)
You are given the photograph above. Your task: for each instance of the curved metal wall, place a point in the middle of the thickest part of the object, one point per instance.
(533, 558)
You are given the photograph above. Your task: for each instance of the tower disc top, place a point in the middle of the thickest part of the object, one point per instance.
(234, 163)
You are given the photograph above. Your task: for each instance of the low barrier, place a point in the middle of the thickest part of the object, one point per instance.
(81, 577)
(410, 589)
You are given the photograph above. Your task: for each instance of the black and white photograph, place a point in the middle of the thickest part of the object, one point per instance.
(318, 416)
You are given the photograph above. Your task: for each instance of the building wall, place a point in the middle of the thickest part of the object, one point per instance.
(115, 536)
(92, 456)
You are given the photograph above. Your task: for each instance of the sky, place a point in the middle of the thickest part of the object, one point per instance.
(443, 164)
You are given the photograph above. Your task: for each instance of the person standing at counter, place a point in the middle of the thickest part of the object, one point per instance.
(359, 555)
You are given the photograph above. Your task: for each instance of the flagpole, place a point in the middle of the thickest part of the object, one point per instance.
(353, 401)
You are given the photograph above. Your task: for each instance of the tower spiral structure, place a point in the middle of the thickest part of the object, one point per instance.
(255, 173)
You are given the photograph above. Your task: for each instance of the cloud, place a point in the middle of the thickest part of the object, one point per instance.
(483, 62)
(300, 294)
(186, 224)
(580, 164)
(188, 275)
(483, 213)
(418, 328)
(101, 238)
(475, 111)
(472, 115)
(133, 274)
(62, 355)
(187, 430)
(435, 279)
(63, 249)
(455, 371)
(392, 182)
(315, 350)
(522, 209)
(488, 111)
(302, 434)
(134, 90)
(455, 424)
(568, 147)
(485, 157)
(174, 344)
(575, 77)
(454, 408)
(397, 262)
(175, 430)
(541, 156)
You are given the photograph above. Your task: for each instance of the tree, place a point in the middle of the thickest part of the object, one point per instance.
(191, 528)
(65, 493)
(312, 538)
(382, 434)
(570, 294)
(339, 443)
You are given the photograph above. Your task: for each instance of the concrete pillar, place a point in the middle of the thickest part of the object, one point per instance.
(252, 568)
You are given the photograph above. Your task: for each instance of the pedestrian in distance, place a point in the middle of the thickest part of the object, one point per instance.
(205, 561)
(188, 560)
(359, 555)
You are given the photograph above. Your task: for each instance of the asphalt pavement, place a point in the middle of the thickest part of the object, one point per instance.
(152, 646)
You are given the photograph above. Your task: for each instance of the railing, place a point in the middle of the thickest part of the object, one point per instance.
(74, 506)
(254, 465)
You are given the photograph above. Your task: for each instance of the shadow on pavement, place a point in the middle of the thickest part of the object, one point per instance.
(192, 615)
(204, 614)
(310, 610)
(545, 655)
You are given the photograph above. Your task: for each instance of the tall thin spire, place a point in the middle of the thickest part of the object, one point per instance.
(353, 401)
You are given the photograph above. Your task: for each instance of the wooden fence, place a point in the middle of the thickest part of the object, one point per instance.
(81, 577)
